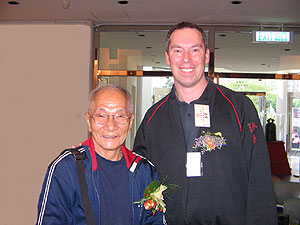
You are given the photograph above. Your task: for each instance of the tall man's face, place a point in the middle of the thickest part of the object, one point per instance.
(109, 120)
(187, 57)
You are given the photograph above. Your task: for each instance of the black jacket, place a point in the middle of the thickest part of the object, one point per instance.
(236, 186)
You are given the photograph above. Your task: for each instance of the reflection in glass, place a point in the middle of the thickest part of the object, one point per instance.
(235, 52)
(133, 50)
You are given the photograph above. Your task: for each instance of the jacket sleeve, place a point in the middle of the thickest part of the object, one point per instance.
(157, 219)
(148, 218)
(261, 205)
(55, 204)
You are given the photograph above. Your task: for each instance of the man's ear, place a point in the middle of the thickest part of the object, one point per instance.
(167, 57)
(87, 119)
(207, 56)
(131, 121)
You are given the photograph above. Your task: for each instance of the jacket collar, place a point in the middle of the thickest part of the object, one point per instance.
(129, 156)
(204, 98)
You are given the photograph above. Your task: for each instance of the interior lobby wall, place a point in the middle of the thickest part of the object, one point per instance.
(44, 85)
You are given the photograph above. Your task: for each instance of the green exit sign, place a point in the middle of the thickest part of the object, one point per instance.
(272, 37)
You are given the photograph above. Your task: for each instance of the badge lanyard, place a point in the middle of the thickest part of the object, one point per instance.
(194, 162)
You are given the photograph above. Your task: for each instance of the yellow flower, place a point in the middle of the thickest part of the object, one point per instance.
(211, 143)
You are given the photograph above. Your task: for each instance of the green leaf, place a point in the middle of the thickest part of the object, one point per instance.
(152, 187)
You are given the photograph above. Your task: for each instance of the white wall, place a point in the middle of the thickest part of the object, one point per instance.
(44, 85)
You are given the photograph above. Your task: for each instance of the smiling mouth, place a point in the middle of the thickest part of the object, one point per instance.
(110, 136)
(187, 70)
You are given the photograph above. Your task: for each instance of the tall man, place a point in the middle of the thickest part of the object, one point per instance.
(224, 175)
(115, 177)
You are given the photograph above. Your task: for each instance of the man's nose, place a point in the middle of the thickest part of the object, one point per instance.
(186, 56)
(110, 122)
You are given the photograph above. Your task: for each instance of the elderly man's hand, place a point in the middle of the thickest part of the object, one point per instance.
(74, 146)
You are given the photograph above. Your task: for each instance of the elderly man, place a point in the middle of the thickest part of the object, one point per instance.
(115, 177)
(208, 140)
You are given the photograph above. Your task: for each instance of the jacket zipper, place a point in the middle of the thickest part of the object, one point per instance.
(96, 191)
(132, 192)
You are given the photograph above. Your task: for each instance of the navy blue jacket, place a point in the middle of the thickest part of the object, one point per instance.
(60, 200)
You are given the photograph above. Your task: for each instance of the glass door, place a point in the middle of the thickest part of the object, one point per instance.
(293, 139)
(294, 121)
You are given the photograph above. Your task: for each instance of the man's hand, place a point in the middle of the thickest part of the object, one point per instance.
(74, 146)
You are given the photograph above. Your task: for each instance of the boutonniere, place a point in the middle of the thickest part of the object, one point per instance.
(153, 197)
(209, 142)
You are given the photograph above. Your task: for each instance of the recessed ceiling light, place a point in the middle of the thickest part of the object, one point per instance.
(263, 64)
(287, 49)
(217, 48)
(123, 2)
(148, 47)
(13, 3)
(222, 35)
(157, 62)
(236, 2)
(141, 35)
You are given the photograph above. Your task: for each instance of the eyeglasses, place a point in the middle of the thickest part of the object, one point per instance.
(102, 118)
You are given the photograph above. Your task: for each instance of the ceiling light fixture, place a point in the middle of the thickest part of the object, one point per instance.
(236, 2)
(123, 2)
(13, 3)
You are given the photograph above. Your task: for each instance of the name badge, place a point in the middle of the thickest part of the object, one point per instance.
(202, 117)
(193, 164)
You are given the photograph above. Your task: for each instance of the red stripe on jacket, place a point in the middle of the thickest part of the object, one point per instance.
(232, 107)
(128, 155)
(157, 109)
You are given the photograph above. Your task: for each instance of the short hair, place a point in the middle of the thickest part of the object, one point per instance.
(95, 92)
(183, 25)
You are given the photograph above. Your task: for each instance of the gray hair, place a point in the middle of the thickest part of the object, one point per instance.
(183, 25)
(95, 92)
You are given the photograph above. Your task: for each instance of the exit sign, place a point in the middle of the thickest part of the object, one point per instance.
(272, 37)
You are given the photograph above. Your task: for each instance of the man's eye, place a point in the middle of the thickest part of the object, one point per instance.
(120, 116)
(177, 50)
(194, 50)
(102, 115)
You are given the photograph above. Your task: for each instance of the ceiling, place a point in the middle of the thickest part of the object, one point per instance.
(155, 11)
(234, 51)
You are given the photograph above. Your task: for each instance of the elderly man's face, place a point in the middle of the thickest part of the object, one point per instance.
(109, 136)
